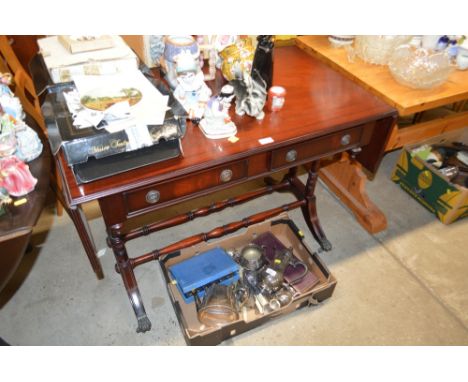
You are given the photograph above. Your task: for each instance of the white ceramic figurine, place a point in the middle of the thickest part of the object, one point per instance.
(217, 123)
(191, 90)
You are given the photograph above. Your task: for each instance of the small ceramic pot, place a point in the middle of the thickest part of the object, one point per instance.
(338, 41)
(462, 58)
(276, 98)
(430, 41)
(173, 46)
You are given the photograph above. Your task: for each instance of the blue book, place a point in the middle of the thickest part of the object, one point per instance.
(200, 271)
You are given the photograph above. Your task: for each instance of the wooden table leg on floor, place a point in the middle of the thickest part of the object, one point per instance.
(309, 209)
(125, 268)
(81, 224)
(347, 180)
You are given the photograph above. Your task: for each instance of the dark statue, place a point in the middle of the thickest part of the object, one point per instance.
(262, 64)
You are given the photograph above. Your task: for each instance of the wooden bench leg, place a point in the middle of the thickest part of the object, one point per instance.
(347, 180)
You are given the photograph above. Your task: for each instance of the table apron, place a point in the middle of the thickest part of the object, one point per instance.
(118, 208)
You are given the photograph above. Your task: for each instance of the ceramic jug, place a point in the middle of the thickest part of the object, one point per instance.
(173, 47)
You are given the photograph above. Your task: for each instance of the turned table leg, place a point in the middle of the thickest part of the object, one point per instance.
(81, 224)
(310, 209)
(124, 267)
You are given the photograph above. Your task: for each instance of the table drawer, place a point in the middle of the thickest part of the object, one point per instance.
(148, 197)
(304, 151)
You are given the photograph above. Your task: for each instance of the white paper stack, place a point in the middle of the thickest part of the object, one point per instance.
(150, 108)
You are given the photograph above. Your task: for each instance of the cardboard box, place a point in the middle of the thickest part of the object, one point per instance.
(142, 47)
(62, 64)
(448, 201)
(285, 230)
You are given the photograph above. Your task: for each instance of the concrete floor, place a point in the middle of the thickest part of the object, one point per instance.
(405, 286)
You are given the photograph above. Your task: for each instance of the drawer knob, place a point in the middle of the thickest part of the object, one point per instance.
(345, 139)
(226, 175)
(153, 196)
(291, 156)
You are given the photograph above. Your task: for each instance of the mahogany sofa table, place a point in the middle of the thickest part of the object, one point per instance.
(324, 114)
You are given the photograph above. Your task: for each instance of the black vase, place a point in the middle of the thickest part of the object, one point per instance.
(262, 65)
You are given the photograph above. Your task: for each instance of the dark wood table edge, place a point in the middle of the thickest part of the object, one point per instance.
(21, 231)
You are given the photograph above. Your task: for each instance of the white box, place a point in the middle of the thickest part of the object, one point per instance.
(86, 45)
(62, 64)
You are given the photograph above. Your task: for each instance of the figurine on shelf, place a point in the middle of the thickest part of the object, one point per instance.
(29, 145)
(250, 95)
(191, 90)
(210, 48)
(208, 52)
(5, 82)
(9, 103)
(4, 200)
(217, 123)
(7, 135)
(15, 176)
(263, 60)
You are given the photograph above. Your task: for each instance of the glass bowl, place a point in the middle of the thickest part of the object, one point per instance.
(378, 49)
(419, 68)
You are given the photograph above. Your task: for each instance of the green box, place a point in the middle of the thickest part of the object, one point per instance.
(448, 201)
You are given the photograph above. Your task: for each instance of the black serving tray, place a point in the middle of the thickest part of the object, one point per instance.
(95, 169)
(95, 153)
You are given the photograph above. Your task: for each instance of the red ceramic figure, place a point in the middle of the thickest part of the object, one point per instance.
(15, 176)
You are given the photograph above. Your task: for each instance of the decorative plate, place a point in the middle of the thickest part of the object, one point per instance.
(102, 99)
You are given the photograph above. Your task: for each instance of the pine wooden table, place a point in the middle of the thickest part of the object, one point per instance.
(345, 177)
(379, 81)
